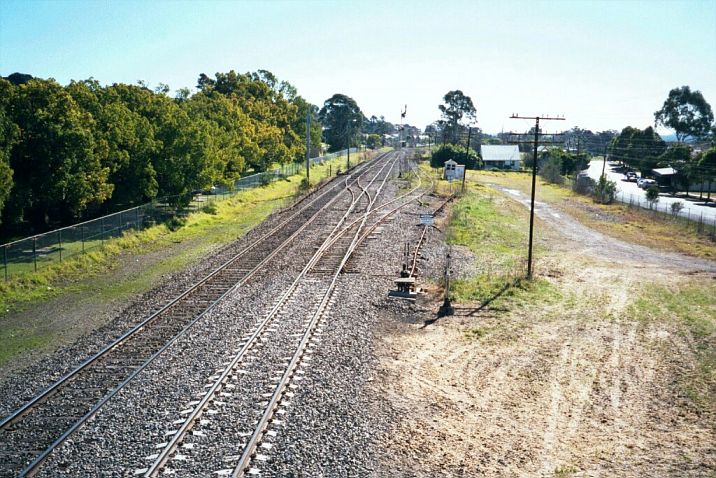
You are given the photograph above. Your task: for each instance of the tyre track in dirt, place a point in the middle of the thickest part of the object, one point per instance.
(549, 390)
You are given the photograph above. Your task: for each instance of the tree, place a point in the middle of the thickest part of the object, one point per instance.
(551, 170)
(373, 141)
(680, 157)
(637, 149)
(707, 167)
(342, 120)
(9, 133)
(456, 153)
(456, 106)
(58, 173)
(652, 196)
(605, 191)
(686, 112)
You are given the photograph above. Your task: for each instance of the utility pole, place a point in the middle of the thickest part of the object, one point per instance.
(604, 164)
(308, 146)
(467, 156)
(348, 161)
(534, 181)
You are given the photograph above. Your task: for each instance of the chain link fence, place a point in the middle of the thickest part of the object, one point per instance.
(34, 253)
(684, 216)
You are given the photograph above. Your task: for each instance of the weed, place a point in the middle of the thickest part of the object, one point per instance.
(564, 471)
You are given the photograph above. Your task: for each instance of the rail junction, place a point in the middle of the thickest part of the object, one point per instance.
(245, 399)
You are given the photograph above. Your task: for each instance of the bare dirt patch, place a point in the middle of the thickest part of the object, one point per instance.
(576, 386)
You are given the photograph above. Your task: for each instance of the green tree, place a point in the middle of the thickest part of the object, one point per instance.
(57, 171)
(8, 136)
(707, 167)
(551, 170)
(652, 196)
(686, 112)
(680, 157)
(456, 106)
(342, 120)
(605, 191)
(455, 153)
(638, 149)
(373, 141)
(124, 142)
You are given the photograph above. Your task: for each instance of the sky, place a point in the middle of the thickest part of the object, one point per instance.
(600, 64)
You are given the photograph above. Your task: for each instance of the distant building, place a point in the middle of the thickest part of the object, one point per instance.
(502, 156)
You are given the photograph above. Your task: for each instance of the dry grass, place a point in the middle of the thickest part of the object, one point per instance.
(617, 220)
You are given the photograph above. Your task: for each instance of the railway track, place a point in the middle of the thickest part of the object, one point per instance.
(33, 431)
(243, 398)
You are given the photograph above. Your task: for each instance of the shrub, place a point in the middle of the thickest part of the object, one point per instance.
(209, 209)
(652, 196)
(676, 207)
(175, 223)
(605, 191)
(583, 185)
(552, 170)
(304, 185)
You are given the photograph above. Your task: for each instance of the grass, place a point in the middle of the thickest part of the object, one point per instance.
(616, 220)
(97, 273)
(691, 309)
(494, 229)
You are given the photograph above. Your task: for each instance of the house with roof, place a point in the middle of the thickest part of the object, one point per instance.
(501, 156)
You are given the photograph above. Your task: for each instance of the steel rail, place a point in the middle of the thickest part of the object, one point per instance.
(198, 411)
(10, 419)
(257, 435)
(34, 465)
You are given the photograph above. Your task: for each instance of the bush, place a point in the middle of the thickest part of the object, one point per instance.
(175, 223)
(676, 207)
(605, 191)
(552, 170)
(583, 185)
(304, 185)
(456, 153)
(209, 209)
(652, 196)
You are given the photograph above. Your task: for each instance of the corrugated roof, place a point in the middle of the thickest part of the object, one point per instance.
(501, 152)
(664, 171)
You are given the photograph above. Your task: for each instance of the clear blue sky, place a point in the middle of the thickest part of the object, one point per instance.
(601, 64)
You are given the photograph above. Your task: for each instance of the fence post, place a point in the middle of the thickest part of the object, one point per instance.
(101, 234)
(34, 252)
(59, 241)
(82, 230)
(136, 218)
(5, 260)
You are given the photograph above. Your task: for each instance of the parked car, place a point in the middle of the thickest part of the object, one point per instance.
(631, 176)
(646, 183)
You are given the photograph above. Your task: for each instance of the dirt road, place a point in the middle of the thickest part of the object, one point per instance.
(580, 385)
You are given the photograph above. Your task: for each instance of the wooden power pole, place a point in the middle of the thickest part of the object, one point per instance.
(534, 180)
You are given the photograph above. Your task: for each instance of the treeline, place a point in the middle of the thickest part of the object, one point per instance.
(76, 151)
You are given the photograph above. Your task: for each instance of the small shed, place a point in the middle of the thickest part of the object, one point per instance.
(453, 170)
(664, 176)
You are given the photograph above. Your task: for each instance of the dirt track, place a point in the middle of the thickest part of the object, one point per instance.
(573, 387)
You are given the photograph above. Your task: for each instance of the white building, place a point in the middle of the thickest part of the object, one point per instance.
(453, 170)
(501, 156)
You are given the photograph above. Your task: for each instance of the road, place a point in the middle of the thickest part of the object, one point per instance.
(628, 192)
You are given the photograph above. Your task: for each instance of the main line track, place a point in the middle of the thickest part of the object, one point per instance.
(33, 431)
(255, 380)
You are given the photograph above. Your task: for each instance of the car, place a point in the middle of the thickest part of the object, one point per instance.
(646, 183)
(631, 176)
